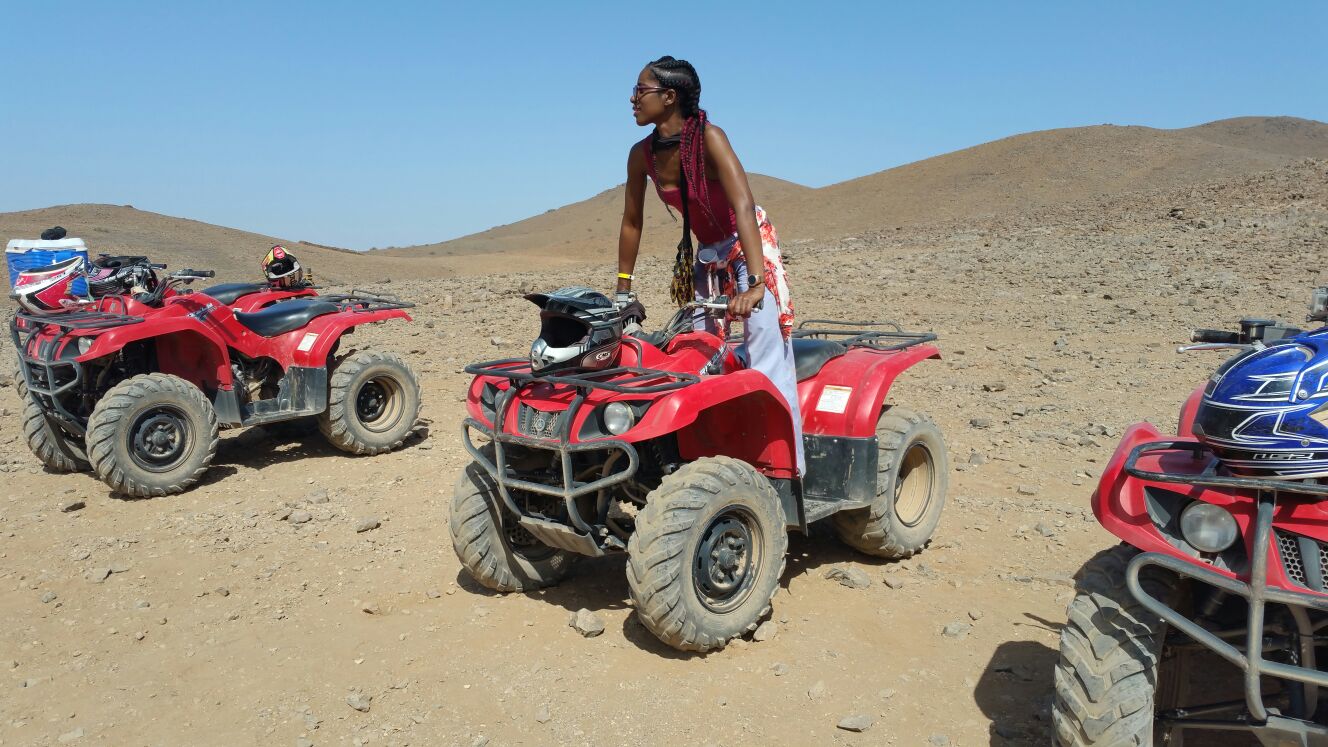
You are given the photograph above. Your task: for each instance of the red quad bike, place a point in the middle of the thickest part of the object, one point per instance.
(135, 386)
(1209, 616)
(684, 459)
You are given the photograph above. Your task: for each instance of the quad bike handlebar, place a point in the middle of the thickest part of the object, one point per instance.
(681, 321)
(718, 304)
(1215, 336)
(1254, 334)
(179, 277)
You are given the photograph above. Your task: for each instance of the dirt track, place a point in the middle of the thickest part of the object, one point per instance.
(222, 623)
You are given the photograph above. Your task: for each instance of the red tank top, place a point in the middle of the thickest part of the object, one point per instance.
(707, 231)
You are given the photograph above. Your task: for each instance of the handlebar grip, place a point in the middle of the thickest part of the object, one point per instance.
(198, 273)
(1215, 335)
(724, 301)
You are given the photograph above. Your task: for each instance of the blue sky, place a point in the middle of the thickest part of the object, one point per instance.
(376, 124)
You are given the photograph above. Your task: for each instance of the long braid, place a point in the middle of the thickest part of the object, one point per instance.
(680, 76)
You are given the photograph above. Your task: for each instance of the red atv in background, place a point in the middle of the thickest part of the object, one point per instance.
(1210, 615)
(135, 386)
(683, 459)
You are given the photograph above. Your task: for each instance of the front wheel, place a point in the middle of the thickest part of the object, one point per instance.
(501, 555)
(373, 402)
(707, 554)
(56, 451)
(152, 435)
(1112, 676)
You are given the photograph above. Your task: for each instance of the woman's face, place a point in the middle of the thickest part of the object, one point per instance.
(650, 102)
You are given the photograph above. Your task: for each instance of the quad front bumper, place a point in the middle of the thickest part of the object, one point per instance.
(1269, 726)
(49, 372)
(579, 533)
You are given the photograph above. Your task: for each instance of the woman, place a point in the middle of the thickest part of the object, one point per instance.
(696, 171)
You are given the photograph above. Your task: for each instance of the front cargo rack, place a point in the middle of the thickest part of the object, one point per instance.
(636, 382)
(863, 334)
(80, 320)
(1209, 477)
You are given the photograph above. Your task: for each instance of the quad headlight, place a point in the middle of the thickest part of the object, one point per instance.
(84, 345)
(1207, 527)
(618, 418)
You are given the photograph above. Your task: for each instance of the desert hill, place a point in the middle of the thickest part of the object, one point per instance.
(1014, 175)
(179, 242)
(591, 226)
(1033, 170)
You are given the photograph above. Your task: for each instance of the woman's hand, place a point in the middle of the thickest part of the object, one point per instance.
(743, 303)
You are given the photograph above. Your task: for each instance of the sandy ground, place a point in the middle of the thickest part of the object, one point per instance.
(221, 623)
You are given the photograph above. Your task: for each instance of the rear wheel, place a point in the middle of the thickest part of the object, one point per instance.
(501, 555)
(912, 475)
(1114, 675)
(707, 554)
(373, 403)
(152, 435)
(56, 450)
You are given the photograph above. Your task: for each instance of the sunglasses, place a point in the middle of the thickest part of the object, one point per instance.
(639, 90)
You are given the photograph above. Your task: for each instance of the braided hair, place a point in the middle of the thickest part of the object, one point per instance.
(680, 76)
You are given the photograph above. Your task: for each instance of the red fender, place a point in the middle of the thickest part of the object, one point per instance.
(314, 342)
(740, 414)
(859, 382)
(1185, 423)
(1120, 505)
(186, 347)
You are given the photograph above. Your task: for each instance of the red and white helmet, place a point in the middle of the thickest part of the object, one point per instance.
(49, 290)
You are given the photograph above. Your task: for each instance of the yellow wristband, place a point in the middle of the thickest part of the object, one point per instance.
(626, 276)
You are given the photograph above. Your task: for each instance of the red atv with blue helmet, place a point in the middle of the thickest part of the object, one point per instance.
(135, 382)
(665, 447)
(1210, 615)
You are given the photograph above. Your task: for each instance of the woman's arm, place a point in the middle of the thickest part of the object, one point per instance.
(734, 179)
(629, 236)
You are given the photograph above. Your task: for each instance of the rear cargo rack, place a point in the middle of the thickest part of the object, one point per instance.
(637, 382)
(362, 301)
(863, 334)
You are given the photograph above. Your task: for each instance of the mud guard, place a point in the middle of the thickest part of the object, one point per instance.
(740, 415)
(317, 339)
(185, 348)
(846, 396)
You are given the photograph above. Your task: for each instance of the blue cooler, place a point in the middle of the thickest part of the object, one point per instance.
(25, 254)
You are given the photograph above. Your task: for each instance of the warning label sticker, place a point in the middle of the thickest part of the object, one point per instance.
(307, 342)
(834, 399)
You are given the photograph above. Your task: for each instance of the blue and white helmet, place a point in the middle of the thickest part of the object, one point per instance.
(1264, 412)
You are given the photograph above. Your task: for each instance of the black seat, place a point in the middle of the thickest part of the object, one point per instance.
(280, 318)
(229, 293)
(808, 355)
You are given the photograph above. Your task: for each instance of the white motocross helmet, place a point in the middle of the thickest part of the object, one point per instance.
(579, 328)
(49, 290)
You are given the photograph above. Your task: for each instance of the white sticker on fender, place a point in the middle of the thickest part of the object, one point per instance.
(307, 342)
(834, 399)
